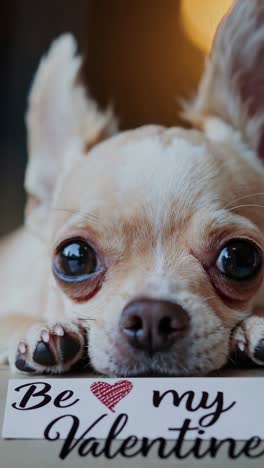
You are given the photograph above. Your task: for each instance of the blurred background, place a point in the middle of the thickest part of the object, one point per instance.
(140, 55)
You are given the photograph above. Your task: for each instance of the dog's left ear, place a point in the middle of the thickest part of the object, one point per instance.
(63, 123)
(232, 87)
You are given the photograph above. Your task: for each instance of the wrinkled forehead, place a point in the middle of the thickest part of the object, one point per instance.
(151, 183)
(153, 168)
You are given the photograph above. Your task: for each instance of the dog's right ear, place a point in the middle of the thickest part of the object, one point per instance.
(232, 87)
(63, 123)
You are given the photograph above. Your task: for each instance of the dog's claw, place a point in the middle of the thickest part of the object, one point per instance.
(22, 348)
(58, 330)
(241, 346)
(45, 336)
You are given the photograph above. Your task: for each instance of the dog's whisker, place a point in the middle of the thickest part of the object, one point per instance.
(242, 198)
(249, 205)
(86, 319)
(88, 363)
(184, 369)
(85, 214)
(205, 299)
(229, 359)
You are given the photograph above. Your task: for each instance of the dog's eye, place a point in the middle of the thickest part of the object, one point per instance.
(239, 260)
(75, 259)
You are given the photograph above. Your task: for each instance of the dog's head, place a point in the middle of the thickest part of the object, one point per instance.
(155, 235)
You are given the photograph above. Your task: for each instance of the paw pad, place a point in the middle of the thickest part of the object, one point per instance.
(69, 347)
(56, 350)
(259, 350)
(43, 355)
(21, 364)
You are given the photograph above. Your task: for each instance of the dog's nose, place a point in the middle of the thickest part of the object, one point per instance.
(153, 325)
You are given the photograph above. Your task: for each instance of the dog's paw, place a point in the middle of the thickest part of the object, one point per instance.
(49, 349)
(248, 338)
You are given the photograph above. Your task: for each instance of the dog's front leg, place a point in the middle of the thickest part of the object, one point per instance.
(248, 337)
(37, 346)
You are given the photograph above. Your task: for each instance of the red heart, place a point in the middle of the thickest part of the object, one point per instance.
(109, 394)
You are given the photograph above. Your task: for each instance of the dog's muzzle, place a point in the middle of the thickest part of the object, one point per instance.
(153, 325)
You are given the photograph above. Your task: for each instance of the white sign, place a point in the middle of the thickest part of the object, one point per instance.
(137, 411)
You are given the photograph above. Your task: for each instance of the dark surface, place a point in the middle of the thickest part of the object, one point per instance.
(26, 30)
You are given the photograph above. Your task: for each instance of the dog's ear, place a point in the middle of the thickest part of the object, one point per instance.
(232, 86)
(63, 122)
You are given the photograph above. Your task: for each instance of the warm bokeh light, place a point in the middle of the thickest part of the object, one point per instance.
(200, 19)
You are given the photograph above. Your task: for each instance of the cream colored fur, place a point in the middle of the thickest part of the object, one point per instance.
(156, 202)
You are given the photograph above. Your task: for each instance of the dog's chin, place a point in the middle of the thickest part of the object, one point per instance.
(152, 371)
(174, 364)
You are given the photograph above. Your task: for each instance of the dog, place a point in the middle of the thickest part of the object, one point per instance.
(142, 251)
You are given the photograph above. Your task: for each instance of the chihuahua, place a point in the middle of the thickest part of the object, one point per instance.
(142, 251)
